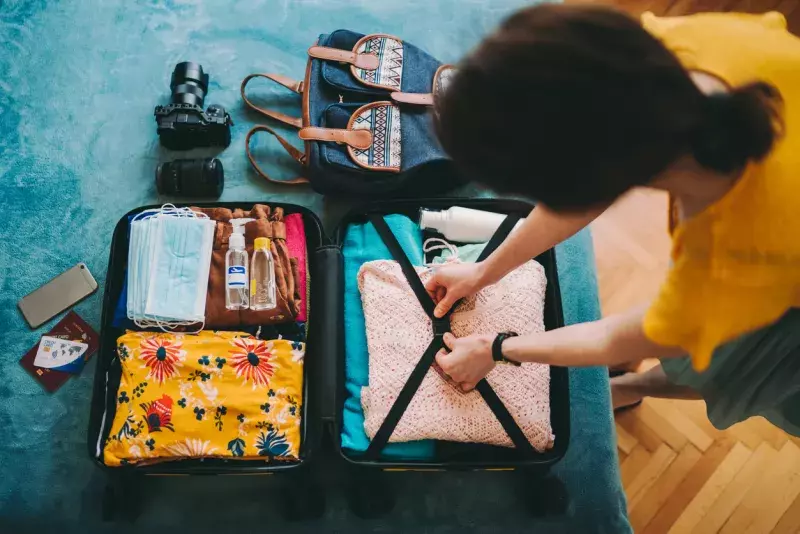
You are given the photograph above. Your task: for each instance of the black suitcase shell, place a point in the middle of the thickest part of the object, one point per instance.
(323, 380)
(449, 455)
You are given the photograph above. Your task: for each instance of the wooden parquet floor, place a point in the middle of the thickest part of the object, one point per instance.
(682, 475)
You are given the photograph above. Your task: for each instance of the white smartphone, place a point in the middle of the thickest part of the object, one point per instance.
(63, 291)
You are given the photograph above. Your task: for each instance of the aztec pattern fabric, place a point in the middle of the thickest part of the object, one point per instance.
(389, 50)
(383, 120)
(439, 409)
(212, 394)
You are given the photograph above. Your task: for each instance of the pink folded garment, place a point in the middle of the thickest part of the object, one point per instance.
(296, 243)
(399, 331)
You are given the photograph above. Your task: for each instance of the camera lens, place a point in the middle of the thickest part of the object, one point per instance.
(189, 84)
(191, 178)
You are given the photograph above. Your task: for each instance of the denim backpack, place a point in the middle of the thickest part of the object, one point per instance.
(366, 118)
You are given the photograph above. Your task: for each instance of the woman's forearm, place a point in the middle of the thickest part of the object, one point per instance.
(542, 230)
(613, 340)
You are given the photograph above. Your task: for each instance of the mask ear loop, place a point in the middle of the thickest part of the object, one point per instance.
(170, 326)
(146, 214)
(202, 326)
(435, 243)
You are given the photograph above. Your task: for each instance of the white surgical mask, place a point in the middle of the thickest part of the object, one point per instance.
(168, 265)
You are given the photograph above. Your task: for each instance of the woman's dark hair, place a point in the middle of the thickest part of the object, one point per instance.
(573, 105)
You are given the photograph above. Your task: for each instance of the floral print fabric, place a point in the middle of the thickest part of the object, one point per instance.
(212, 394)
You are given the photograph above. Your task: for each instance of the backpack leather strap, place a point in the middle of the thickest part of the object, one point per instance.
(298, 156)
(419, 99)
(361, 61)
(360, 139)
(292, 85)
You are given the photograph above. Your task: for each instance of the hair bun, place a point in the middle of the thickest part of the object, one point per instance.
(737, 127)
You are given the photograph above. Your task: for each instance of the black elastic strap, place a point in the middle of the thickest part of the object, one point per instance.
(418, 374)
(496, 240)
(484, 388)
(403, 399)
(504, 416)
(500, 235)
(400, 257)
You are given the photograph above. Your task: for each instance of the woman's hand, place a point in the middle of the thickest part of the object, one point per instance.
(469, 359)
(454, 281)
(541, 230)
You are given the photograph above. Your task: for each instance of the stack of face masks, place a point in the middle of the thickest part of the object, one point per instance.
(169, 257)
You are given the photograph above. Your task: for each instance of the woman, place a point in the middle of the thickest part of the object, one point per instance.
(575, 105)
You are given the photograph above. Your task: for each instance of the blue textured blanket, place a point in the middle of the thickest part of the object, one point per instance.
(78, 149)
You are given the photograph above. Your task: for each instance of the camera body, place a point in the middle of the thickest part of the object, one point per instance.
(183, 124)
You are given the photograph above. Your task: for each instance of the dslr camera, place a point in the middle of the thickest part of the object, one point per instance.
(182, 124)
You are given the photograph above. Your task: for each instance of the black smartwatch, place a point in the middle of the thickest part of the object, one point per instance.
(497, 348)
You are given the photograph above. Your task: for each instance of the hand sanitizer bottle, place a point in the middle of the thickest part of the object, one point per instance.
(237, 281)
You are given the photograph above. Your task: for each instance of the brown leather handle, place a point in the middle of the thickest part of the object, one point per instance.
(360, 139)
(293, 85)
(361, 61)
(298, 156)
(419, 99)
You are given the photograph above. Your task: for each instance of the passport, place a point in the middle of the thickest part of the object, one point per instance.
(70, 328)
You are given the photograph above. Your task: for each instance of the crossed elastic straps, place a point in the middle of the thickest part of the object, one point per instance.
(440, 328)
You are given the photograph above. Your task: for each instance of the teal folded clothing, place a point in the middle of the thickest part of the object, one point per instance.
(362, 244)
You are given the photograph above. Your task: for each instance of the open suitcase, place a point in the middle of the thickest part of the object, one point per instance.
(125, 483)
(323, 385)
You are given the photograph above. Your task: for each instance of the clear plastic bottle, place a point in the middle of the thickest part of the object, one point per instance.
(262, 277)
(237, 293)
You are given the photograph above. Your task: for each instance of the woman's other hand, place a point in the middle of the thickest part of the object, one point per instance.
(454, 281)
(469, 359)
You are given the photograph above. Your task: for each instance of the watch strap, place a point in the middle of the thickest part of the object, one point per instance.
(497, 348)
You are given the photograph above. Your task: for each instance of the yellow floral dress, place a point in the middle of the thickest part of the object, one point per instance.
(212, 394)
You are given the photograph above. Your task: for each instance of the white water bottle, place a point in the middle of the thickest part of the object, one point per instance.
(463, 225)
(237, 281)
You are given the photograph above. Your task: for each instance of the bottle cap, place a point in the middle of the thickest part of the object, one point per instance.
(236, 240)
(262, 243)
(431, 219)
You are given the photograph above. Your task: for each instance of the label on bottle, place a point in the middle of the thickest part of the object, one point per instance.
(237, 277)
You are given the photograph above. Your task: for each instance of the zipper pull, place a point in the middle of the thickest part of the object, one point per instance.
(341, 99)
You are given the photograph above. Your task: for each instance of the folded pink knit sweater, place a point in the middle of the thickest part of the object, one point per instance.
(399, 331)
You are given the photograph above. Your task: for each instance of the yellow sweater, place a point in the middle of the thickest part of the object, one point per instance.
(736, 265)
